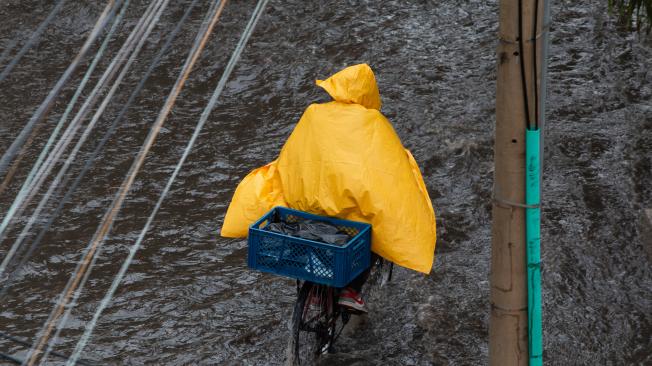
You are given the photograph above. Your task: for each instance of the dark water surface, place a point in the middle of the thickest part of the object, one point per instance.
(189, 298)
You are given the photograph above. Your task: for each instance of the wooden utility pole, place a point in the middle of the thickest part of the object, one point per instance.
(517, 99)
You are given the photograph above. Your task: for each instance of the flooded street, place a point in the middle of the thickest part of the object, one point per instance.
(189, 298)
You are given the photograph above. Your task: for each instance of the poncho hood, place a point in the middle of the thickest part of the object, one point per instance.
(355, 84)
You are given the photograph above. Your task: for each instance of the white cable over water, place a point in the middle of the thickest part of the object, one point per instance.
(73, 100)
(32, 40)
(162, 4)
(25, 145)
(149, 20)
(46, 149)
(75, 284)
(45, 106)
(72, 187)
(101, 234)
(90, 326)
(24, 197)
(29, 191)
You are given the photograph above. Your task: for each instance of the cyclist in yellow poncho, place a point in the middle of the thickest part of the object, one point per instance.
(344, 159)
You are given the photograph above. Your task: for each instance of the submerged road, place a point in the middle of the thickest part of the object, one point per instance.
(188, 297)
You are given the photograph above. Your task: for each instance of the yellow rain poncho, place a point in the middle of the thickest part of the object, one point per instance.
(344, 159)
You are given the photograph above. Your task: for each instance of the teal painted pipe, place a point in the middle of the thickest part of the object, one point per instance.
(533, 236)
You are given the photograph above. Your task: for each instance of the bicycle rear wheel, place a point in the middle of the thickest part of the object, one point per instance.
(312, 325)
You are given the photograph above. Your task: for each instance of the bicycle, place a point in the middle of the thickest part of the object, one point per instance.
(321, 270)
(317, 320)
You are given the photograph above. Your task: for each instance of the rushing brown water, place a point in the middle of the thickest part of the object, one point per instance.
(189, 298)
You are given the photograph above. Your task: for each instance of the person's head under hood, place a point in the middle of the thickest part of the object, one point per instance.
(355, 84)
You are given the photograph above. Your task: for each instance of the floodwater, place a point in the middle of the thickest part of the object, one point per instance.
(189, 298)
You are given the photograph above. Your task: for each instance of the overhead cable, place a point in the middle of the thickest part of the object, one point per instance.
(46, 105)
(33, 40)
(162, 5)
(25, 196)
(149, 19)
(22, 342)
(69, 107)
(71, 188)
(107, 221)
(202, 120)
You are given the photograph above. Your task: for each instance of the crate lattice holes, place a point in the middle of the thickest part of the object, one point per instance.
(305, 259)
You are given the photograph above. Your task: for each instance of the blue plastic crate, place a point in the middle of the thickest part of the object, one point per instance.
(309, 260)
